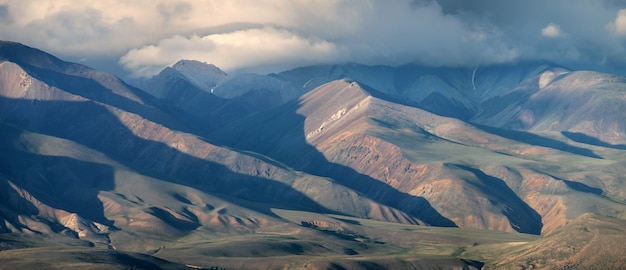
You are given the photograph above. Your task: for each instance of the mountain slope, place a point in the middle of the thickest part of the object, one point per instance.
(588, 242)
(342, 176)
(205, 97)
(453, 92)
(417, 161)
(145, 150)
(579, 102)
(194, 105)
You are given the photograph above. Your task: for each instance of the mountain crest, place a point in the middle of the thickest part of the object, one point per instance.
(23, 55)
(304, 165)
(202, 75)
(340, 101)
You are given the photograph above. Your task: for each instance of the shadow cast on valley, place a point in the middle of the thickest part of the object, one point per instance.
(279, 134)
(93, 125)
(521, 216)
(586, 139)
(578, 186)
(61, 182)
(534, 139)
(13, 204)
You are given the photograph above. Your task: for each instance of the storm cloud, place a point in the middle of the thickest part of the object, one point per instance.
(272, 35)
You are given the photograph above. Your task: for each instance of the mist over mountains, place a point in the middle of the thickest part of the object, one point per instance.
(316, 167)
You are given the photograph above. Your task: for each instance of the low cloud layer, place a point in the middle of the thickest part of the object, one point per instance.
(264, 48)
(144, 36)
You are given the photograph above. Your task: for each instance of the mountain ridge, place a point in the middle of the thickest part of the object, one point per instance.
(372, 156)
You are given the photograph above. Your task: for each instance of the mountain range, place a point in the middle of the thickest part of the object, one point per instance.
(320, 167)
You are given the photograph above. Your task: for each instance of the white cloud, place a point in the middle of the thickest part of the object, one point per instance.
(551, 30)
(371, 33)
(245, 49)
(150, 34)
(618, 26)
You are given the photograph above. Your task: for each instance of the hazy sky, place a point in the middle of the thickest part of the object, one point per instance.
(143, 36)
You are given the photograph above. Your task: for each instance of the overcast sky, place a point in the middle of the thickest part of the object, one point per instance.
(140, 37)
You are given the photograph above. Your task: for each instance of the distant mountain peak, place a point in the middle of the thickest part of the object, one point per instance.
(194, 65)
(202, 75)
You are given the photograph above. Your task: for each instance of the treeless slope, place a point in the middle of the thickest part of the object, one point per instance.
(361, 135)
(54, 252)
(138, 143)
(576, 103)
(453, 92)
(588, 242)
(431, 166)
(413, 151)
(56, 186)
(218, 99)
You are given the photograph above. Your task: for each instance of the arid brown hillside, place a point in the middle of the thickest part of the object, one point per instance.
(439, 169)
(137, 148)
(587, 242)
(373, 167)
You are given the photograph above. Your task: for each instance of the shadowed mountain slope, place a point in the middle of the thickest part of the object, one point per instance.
(140, 149)
(206, 98)
(340, 130)
(581, 102)
(529, 96)
(317, 167)
(454, 92)
(193, 105)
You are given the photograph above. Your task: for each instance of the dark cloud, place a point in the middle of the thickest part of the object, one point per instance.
(586, 38)
(268, 34)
